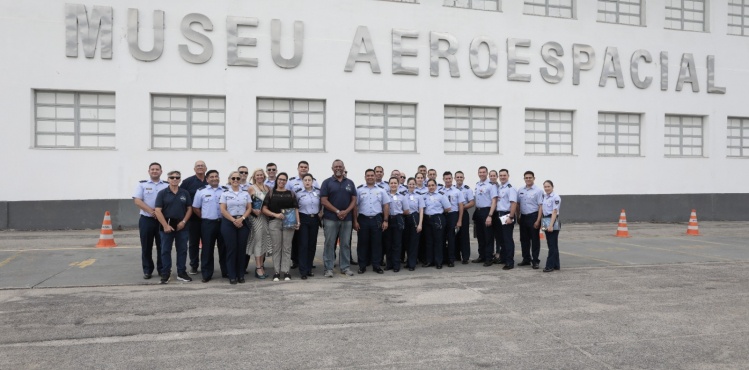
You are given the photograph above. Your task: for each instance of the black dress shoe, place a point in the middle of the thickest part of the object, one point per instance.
(240, 280)
(548, 270)
(478, 260)
(314, 267)
(411, 269)
(488, 263)
(232, 281)
(304, 277)
(450, 264)
(535, 266)
(225, 276)
(378, 270)
(465, 262)
(206, 279)
(146, 276)
(498, 261)
(388, 268)
(508, 267)
(432, 264)
(310, 274)
(396, 270)
(524, 263)
(556, 268)
(439, 267)
(294, 265)
(362, 270)
(353, 263)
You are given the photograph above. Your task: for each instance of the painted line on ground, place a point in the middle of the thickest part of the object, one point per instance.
(671, 250)
(706, 241)
(11, 258)
(591, 258)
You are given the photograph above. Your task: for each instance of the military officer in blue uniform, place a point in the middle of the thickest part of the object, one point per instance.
(422, 190)
(379, 176)
(191, 184)
(401, 186)
(244, 173)
(294, 184)
(414, 221)
(550, 208)
(236, 206)
(485, 194)
(463, 239)
(507, 206)
(435, 205)
(272, 170)
(206, 206)
(530, 199)
(148, 225)
(432, 175)
(310, 213)
(398, 209)
(453, 218)
(372, 203)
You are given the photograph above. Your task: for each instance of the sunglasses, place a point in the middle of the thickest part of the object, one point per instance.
(271, 169)
(236, 178)
(174, 178)
(403, 177)
(243, 172)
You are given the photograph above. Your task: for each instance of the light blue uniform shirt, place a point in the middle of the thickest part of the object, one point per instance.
(421, 190)
(436, 203)
(295, 183)
(507, 194)
(242, 187)
(147, 191)
(484, 192)
(270, 183)
(206, 198)
(455, 197)
(551, 202)
(309, 201)
(467, 194)
(369, 201)
(236, 202)
(402, 188)
(384, 184)
(398, 202)
(530, 199)
(415, 202)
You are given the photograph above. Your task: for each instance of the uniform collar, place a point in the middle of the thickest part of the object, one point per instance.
(487, 181)
(530, 188)
(550, 195)
(503, 185)
(232, 190)
(151, 181)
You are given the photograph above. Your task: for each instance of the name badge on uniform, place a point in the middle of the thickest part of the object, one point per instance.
(395, 198)
(412, 197)
(432, 198)
(314, 194)
(149, 188)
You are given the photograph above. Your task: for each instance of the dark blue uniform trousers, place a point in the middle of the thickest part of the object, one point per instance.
(451, 220)
(484, 234)
(507, 254)
(530, 243)
(210, 236)
(435, 238)
(411, 238)
(149, 231)
(195, 231)
(308, 229)
(179, 238)
(236, 245)
(552, 261)
(463, 239)
(498, 242)
(369, 243)
(394, 240)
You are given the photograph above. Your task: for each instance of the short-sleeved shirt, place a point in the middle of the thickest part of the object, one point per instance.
(398, 203)
(455, 197)
(296, 183)
(551, 202)
(243, 187)
(173, 206)
(278, 200)
(421, 190)
(370, 201)
(467, 194)
(236, 201)
(309, 201)
(484, 192)
(339, 195)
(192, 184)
(415, 202)
(436, 203)
(270, 183)
(507, 195)
(207, 200)
(147, 191)
(529, 199)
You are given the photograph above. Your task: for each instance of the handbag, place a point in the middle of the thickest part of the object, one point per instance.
(289, 218)
(547, 220)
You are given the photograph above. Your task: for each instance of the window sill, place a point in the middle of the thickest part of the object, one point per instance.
(685, 156)
(620, 156)
(737, 157)
(386, 151)
(674, 29)
(481, 10)
(550, 16)
(291, 150)
(472, 153)
(623, 24)
(185, 150)
(551, 155)
(69, 148)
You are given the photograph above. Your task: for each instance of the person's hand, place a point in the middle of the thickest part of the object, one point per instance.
(319, 214)
(153, 213)
(385, 226)
(356, 226)
(180, 226)
(536, 225)
(418, 229)
(238, 222)
(296, 227)
(488, 221)
(256, 212)
(459, 224)
(168, 229)
(279, 216)
(550, 228)
(342, 215)
(509, 221)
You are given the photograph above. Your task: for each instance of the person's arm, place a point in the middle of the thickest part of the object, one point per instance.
(513, 211)
(355, 216)
(421, 218)
(197, 212)
(326, 204)
(406, 205)
(385, 213)
(460, 214)
(537, 224)
(182, 224)
(491, 212)
(551, 223)
(162, 221)
(142, 205)
(471, 204)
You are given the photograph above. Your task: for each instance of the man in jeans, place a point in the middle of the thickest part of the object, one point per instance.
(173, 210)
(338, 197)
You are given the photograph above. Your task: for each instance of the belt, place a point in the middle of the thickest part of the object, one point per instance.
(528, 214)
(312, 215)
(502, 213)
(237, 216)
(209, 220)
(379, 214)
(547, 215)
(482, 208)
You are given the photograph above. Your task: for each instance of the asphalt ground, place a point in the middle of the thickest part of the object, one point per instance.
(657, 300)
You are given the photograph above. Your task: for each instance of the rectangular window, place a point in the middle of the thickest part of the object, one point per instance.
(471, 129)
(686, 15)
(738, 17)
(67, 119)
(618, 134)
(684, 136)
(549, 8)
(493, 5)
(738, 137)
(548, 132)
(188, 122)
(620, 11)
(285, 124)
(385, 127)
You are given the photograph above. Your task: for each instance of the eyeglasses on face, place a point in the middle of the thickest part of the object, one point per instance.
(243, 172)
(236, 178)
(281, 179)
(271, 170)
(174, 177)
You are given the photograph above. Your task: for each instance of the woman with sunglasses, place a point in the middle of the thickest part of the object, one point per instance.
(259, 243)
(236, 206)
(551, 204)
(310, 211)
(277, 200)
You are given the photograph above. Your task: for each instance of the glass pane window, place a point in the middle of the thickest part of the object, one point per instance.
(687, 15)
(684, 136)
(549, 8)
(290, 124)
(493, 5)
(548, 132)
(738, 137)
(738, 17)
(68, 119)
(620, 11)
(188, 122)
(619, 134)
(385, 127)
(471, 129)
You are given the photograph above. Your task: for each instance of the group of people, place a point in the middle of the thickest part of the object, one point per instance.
(400, 222)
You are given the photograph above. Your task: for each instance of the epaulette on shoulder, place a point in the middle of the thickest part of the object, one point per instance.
(293, 178)
(440, 185)
(298, 190)
(493, 183)
(314, 179)
(315, 188)
(509, 185)
(143, 180)
(402, 193)
(360, 186)
(466, 187)
(380, 186)
(224, 187)
(201, 188)
(441, 192)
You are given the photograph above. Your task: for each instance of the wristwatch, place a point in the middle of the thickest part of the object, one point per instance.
(338, 212)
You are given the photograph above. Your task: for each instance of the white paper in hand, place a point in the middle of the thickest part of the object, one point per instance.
(503, 219)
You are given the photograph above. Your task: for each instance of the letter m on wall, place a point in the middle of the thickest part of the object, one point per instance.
(100, 24)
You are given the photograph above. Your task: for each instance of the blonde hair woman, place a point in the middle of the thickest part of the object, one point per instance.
(259, 243)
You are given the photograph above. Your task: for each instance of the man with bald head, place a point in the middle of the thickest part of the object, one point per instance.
(192, 184)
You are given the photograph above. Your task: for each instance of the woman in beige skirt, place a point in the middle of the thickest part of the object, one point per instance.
(259, 243)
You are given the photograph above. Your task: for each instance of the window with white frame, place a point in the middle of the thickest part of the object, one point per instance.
(549, 8)
(618, 134)
(620, 11)
(686, 15)
(386, 127)
(493, 5)
(471, 129)
(738, 17)
(68, 119)
(738, 137)
(188, 122)
(284, 124)
(684, 135)
(548, 132)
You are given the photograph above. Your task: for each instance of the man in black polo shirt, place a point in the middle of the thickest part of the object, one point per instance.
(173, 209)
(338, 197)
(192, 184)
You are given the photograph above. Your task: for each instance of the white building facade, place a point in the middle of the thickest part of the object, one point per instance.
(635, 104)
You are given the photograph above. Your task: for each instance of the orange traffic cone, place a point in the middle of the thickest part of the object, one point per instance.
(541, 235)
(106, 239)
(622, 231)
(693, 229)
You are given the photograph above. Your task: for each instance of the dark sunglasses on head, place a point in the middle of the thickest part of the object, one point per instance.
(174, 178)
(243, 172)
(236, 178)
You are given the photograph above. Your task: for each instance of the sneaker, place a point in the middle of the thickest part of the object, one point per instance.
(329, 273)
(193, 271)
(164, 279)
(184, 277)
(286, 276)
(348, 272)
(277, 276)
